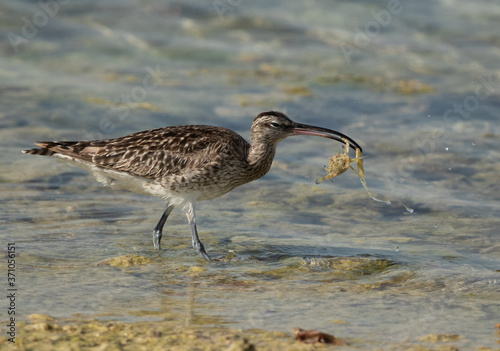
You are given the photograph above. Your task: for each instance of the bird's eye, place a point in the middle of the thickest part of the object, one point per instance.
(275, 125)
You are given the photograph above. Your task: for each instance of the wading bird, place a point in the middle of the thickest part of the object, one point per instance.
(184, 164)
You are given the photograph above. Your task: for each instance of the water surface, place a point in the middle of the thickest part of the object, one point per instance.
(420, 94)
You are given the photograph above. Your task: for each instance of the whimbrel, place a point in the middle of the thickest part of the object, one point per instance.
(184, 164)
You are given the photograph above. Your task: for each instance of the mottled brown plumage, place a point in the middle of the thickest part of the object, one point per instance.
(183, 164)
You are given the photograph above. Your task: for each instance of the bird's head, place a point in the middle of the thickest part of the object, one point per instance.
(272, 127)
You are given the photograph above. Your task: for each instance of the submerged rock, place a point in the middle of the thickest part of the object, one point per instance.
(440, 338)
(356, 265)
(128, 261)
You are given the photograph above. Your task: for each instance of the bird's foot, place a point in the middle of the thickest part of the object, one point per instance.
(156, 239)
(201, 251)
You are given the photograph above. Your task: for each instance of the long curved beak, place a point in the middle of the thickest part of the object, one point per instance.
(305, 129)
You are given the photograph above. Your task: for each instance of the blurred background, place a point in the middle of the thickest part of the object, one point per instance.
(416, 83)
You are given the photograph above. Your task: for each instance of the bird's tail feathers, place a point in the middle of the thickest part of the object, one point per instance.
(49, 148)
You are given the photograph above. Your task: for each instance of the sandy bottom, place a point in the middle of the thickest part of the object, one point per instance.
(43, 332)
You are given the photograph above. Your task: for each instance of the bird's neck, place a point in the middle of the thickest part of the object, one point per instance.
(260, 158)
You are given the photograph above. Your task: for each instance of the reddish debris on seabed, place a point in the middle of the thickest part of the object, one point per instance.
(498, 332)
(312, 336)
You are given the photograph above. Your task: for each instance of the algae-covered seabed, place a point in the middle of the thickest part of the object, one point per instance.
(421, 96)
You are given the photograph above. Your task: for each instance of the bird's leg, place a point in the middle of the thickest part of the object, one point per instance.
(158, 231)
(197, 244)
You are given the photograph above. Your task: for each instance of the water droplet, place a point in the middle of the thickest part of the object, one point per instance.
(435, 225)
(396, 248)
(449, 169)
(446, 148)
(428, 115)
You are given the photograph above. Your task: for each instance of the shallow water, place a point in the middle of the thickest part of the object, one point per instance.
(289, 252)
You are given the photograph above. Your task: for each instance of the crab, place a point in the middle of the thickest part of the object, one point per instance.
(341, 162)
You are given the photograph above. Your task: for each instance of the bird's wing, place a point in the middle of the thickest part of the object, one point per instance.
(153, 153)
